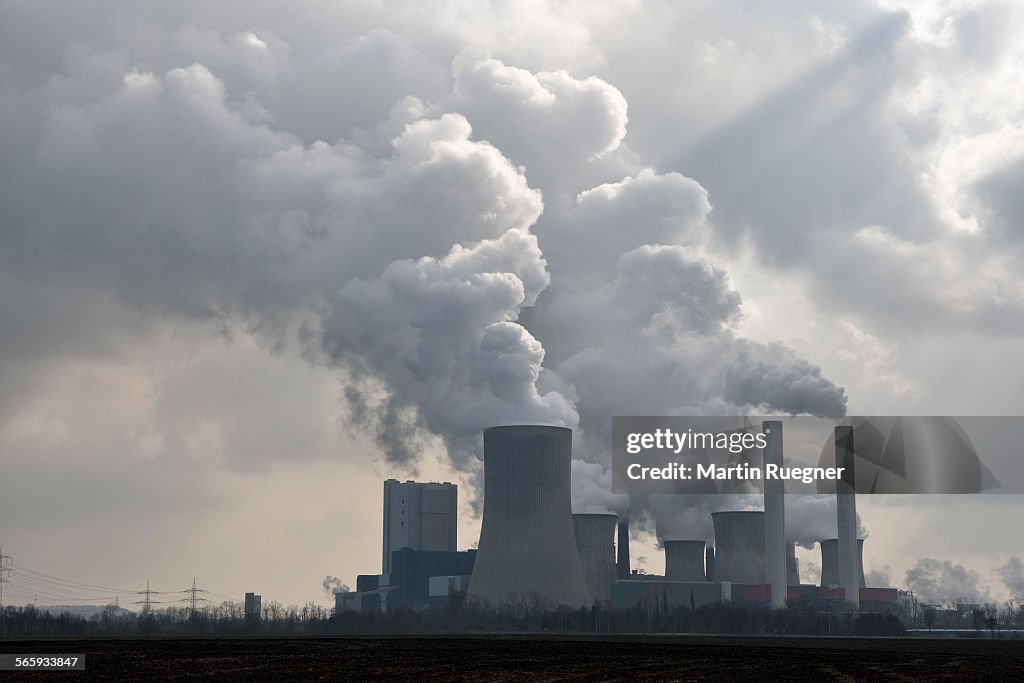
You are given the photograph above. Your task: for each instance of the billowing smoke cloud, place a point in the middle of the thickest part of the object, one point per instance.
(878, 576)
(1012, 576)
(470, 243)
(942, 581)
(333, 585)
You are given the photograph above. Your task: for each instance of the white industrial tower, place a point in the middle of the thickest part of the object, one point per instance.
(420, 516)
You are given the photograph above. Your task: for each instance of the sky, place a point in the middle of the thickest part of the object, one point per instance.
(256, 257)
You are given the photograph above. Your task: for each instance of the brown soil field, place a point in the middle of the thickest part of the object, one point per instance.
(532, 658)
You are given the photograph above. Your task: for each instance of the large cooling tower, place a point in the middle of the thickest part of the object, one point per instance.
(596, 549)
(830, 562)
(739, 546)
(527, 545)
(684, 560)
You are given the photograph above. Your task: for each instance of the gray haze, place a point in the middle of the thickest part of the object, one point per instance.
(256, 257)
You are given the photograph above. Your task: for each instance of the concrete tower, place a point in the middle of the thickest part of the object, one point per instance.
(527, 544)
(774, 516)
(830, 562)
(846, 515)
(739, 546)
(595, 544)
(622, 566)
(684, 560)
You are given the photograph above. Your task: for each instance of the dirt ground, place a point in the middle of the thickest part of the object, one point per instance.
(533, 658)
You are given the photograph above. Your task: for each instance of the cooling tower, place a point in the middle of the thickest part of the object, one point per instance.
(596, 549)
(846, 517)
(830, 562)
(739, 546)
(792, 566)
(774, 516)
(527, 545)
(622, 566)
(684, 560)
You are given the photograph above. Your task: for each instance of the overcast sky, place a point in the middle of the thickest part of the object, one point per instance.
(256, 257)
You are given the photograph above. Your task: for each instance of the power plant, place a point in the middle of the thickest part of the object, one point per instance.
(532, 546)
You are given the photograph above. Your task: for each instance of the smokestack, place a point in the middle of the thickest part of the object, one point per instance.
(684, 560)
(830, 562)
(846, 516)
(622, 566)
(739, 546)
(774, 516)
(527, 543)
(792, 565)
(709, 562)
(595, 545)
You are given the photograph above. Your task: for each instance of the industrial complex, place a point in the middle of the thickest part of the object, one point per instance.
(533, 547)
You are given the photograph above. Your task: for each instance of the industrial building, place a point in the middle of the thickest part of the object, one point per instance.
(421, 516)
(253, 606)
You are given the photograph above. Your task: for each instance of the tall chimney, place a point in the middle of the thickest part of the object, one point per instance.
(622, 566)
(846, 517)
(774, 516)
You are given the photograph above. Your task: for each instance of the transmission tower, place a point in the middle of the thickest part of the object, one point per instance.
(194, 598)
(147, 601)
(5, 571)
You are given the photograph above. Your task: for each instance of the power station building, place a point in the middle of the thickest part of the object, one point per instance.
(421, 516)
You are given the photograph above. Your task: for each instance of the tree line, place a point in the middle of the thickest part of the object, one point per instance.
(525, 614)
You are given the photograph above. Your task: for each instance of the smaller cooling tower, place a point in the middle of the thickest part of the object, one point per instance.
(830, 562)
(739, 546)
(596, 547)
(684, 560)
(792, 566)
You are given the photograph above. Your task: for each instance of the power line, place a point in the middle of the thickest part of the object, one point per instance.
(70, 582)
